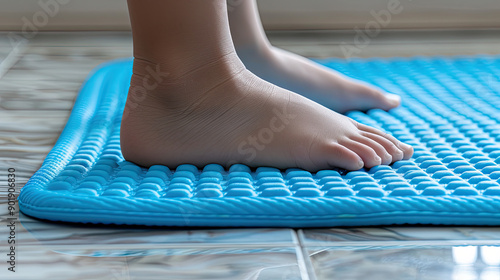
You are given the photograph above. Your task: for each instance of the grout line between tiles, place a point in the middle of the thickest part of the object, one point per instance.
(304, 273)
(305, 260)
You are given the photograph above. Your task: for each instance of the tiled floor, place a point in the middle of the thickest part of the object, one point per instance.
(39, 81)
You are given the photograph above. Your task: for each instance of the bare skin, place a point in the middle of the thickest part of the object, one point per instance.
(298, 74)
(204, 106)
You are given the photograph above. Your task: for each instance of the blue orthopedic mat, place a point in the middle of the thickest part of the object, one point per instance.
(450, 115)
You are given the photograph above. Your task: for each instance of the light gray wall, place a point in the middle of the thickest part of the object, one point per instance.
(345, 14)
(276, 14)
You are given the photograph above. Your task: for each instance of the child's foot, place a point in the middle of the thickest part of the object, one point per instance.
(314, 81)
(222, 113)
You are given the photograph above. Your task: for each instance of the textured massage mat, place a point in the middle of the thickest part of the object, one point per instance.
(450, 115)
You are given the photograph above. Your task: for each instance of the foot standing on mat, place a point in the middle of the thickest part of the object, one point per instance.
(193, 98)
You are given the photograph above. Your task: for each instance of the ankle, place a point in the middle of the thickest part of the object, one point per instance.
(176, 83)
(175, 70)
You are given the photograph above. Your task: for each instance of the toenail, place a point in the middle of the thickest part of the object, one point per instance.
(406, 146)
(393, 98)
(388, 157)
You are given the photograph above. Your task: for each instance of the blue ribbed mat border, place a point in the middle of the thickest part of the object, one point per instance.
(450, 115)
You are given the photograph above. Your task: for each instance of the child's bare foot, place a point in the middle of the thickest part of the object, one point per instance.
(296, 73)
(219, 112)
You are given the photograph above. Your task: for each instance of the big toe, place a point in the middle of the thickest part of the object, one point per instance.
(375, 99)
(407, 150)
(328, 155)
(367, 97)
(391, 101)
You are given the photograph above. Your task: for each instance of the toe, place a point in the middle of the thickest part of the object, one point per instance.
(405, 148)
(367, 153)
(338, 155)
(385, 101)
(370, 97)
(395, 153)
(385, 157)
(392, 100)
(408, 151)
